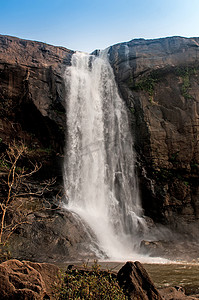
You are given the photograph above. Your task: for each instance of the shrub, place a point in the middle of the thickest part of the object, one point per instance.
(90, 284)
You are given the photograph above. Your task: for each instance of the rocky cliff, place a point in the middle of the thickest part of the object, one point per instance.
(32, 111)
(32, 89)
(158, 79)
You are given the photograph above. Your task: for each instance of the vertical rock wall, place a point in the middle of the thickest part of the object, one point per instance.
(159, 80)
(32, 93)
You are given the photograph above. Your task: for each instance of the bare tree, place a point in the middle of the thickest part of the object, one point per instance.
(20, 196)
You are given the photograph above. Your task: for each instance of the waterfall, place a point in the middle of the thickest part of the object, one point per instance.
(99, 167)
(126, 53)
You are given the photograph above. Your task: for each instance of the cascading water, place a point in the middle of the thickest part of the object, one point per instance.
(99, 163)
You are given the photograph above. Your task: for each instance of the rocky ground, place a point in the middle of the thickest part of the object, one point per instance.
(27, 280)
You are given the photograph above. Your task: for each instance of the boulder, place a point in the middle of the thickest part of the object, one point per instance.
(53, 236)
(175, 293)
(136, 283)
(174, 249)
(28, 280)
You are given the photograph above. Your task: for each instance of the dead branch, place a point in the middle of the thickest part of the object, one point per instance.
(20, 193)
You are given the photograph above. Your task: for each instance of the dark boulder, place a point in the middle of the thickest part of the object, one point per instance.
(136, 283)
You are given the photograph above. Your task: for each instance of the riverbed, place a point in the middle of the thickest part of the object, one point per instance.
(163, 275)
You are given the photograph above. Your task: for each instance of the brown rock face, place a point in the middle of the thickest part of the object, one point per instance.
(27, 280)
(159, 80)
(136, 283)
(32, 91)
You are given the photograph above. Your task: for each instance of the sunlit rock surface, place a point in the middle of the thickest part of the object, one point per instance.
(27, 280)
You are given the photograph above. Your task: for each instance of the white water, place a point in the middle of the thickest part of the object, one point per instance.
(126, 51)
(99, 164)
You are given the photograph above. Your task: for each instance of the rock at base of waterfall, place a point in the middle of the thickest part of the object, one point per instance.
(174, 249)
(136, 283)
(176, 293)
(53, 236)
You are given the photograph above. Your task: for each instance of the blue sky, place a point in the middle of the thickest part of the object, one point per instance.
(87, 25)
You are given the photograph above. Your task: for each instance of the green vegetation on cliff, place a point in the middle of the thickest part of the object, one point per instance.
(185, 73)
